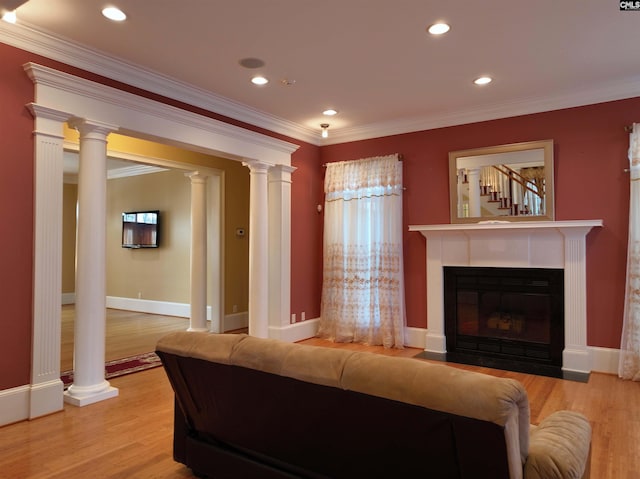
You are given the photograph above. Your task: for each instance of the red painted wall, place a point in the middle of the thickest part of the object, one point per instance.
(16, 218)
(590, 156)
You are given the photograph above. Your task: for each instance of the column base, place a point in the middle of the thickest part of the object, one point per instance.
(198, 329)
(85, 395)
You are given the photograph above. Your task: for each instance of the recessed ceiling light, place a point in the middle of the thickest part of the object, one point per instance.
(438, 28)
(115, 14)
(330, 112)
(10, 17)
(482, 80)
(259, 80)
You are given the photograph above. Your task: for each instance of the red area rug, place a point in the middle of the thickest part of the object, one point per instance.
(120, 367)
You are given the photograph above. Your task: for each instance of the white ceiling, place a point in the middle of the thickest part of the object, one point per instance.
(370, 59)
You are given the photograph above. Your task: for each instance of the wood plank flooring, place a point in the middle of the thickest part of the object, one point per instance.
(130, 436)
(128, 333)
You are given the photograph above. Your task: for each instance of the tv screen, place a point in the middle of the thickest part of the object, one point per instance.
(140, 229)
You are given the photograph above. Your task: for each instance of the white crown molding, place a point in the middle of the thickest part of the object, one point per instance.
(32, 39)
(28, 37)
(608, 92)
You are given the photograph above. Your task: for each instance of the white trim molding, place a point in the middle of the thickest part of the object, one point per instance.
(296, 331)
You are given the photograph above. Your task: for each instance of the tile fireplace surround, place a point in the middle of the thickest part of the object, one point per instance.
(527, 244)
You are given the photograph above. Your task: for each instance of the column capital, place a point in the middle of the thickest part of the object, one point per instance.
(257, 166)
(92, 129)
(48, 121)
(39, 111)
(196, 177)
(281, 173)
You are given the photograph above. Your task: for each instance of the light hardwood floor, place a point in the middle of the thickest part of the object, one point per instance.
(130, 436)
(127, 333)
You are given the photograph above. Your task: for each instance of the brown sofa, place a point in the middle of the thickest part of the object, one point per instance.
(262, 408)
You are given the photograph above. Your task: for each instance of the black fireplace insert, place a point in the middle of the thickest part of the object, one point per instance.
(505, 318)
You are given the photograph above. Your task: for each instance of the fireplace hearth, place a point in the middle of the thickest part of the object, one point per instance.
(506, 318)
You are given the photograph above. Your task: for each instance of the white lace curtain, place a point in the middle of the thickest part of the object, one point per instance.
(629, 367)
(363, 274)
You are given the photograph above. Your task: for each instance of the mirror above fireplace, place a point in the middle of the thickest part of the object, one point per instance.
(511, 182)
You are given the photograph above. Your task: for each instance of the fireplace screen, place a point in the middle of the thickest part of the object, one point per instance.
(505, 317)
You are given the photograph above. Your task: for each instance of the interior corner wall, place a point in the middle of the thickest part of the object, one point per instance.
(590, 148)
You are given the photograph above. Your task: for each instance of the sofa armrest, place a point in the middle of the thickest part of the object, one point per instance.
(559, 448)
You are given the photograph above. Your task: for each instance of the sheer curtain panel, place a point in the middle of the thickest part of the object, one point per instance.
(363, 273)
(629, 367)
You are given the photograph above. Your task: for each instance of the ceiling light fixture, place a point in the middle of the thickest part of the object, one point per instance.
(330, 112)
(114, 13)
(483, 80)
(325, 129)
(259, 80)
(10, 17)
(438, 28)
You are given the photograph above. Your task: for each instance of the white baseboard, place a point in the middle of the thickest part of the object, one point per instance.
(181, 310)
(604, 360)
(296, 331)
(235, 321)
(415, 337)
(165, 308)
(14, 405)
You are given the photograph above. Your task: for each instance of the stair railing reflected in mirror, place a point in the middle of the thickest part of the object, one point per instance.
(511, 182)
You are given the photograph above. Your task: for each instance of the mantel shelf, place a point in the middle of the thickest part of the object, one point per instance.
(500, 226)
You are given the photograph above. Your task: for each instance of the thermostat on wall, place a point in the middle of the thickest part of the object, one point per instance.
(239, 232)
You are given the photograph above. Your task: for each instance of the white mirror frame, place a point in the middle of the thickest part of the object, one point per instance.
(503, 150)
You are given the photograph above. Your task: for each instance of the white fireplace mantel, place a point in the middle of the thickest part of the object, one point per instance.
(526, 244)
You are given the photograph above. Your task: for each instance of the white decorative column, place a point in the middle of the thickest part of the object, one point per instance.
(575, 357)
(279, 248)
(46, 387)
(473, 176)
(258, 250)
(198, 252)
(89, 384)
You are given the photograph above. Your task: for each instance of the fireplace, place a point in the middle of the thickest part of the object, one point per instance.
(529, 245)
(508, 318)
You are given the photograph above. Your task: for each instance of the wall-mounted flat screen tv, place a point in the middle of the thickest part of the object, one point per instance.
(141, 229)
